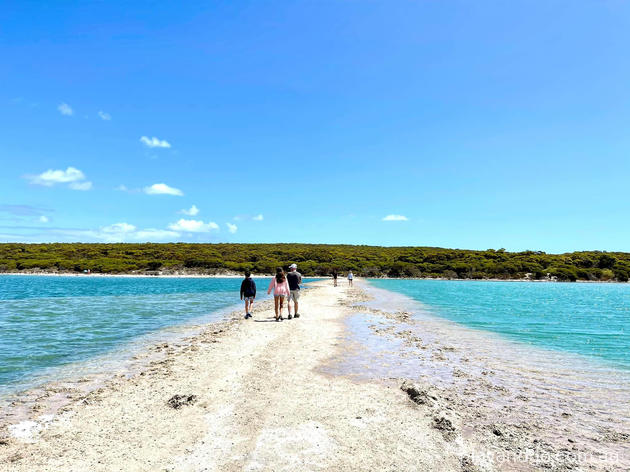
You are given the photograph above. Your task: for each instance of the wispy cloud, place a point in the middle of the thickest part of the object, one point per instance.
(232, 228)
(71, 176)
(248, 217)
(154, 142)
(114, 233)
(395, 218)
(23, 210)
(192, 212)
(22, 101)
(118, 228)
(43, 219)
(162, 189)
(152, 234)
(193, 226)
(80, 185)
(124, 188)
(104, 116)
(121, 232)
(65, 109)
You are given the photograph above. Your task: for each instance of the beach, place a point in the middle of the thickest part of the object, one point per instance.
(350, 385)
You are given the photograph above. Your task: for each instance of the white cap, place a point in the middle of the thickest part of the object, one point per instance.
(293, 266)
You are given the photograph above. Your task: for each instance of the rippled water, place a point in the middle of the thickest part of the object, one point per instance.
(587, 319)
(46, 322)
(495, 373)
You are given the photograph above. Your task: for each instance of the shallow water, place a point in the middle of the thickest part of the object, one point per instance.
(47, 323)
(556, 395)
(588, 319)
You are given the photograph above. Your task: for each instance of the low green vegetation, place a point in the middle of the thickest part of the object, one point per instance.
(314, 260)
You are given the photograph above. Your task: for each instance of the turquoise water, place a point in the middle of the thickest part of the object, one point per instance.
(47, 322)
(587, 319)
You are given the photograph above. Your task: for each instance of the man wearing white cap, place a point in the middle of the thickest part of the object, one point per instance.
(295, 279)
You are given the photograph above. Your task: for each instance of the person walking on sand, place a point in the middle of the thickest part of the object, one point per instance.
(350, 278)
(281, 291)
(334, 276)
(248, 292)
(295, 279)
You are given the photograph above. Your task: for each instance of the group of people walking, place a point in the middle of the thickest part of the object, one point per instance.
(284, 286)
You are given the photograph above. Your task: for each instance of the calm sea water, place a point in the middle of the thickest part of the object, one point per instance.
(588, 319)
(46, 322)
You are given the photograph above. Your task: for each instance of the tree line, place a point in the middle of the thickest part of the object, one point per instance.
(314, 260)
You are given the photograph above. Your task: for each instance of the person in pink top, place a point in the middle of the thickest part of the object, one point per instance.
(280, 288)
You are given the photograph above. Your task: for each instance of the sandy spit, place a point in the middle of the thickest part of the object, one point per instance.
(260, 395)
(252, 397)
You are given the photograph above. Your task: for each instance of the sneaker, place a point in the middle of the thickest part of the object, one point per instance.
(290, 317)
(297, 315)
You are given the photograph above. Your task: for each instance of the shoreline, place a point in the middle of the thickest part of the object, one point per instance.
(229, 275)
(300, 381)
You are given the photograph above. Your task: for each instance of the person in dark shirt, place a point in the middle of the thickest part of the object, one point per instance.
(248, 293)
(334, 276)
(295, 279)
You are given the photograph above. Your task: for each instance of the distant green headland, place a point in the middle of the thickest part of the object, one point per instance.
(313, 260)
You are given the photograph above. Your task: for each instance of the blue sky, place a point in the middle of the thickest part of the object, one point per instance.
(470, 124)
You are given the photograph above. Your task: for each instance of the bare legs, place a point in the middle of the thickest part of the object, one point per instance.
(295, 305)
(249, 305)
(278, 303)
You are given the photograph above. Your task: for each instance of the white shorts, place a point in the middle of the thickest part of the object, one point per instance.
(294, 295)
(250, 299)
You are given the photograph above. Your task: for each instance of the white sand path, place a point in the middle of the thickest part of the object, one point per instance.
(263, 405)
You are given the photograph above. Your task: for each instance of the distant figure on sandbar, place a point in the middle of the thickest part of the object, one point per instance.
(350, 278)
(281, 291)
(334, 276)
(248, 293)
(295, 279)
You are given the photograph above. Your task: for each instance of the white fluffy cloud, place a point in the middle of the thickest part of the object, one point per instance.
(232, 228)
(104, 116)
(154, 142)
(52, 177)
(192, 212)
(65, 109)
(162, 189)
(71, 176)
(193, 226)
(258, 218)
(395, 218)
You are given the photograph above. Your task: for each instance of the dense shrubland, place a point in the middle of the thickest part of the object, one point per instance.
(314, 259)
